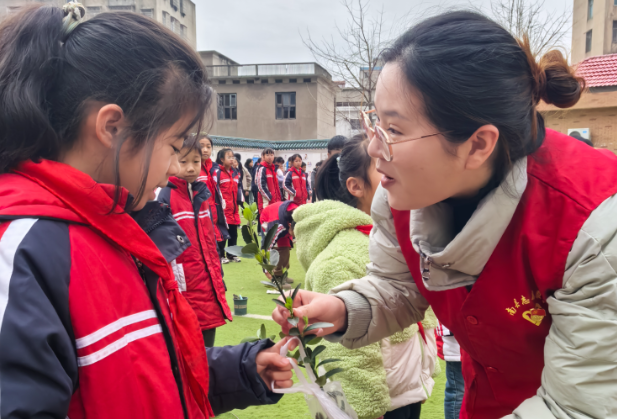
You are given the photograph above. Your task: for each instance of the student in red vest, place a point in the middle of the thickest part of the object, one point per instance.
(198, 269)
(296, 183)
(505, 227)
(280, 214)
(93, 324)
(228, 180)
(207, 175)
(266, 181)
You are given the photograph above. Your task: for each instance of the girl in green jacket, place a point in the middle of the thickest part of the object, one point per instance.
(391, 377)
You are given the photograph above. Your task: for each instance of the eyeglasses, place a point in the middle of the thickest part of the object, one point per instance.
(385, 142)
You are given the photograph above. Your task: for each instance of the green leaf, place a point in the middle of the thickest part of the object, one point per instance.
(262, 331)
(282, 335)
(332, 372)
(318, 350)
(254, 207)
(251, 248)
(272, 338)
(321, 381)
(289, 303)
(247, 214)
(294, 331)
(249, 339)
(259, 258)
(293, 321)
(307, 360)
(296, 355)
(293, 296)
(306, 321)
(328, 361)
(269, 284)
(310, 340)
(279, 302)
(320, 325)
(237, 251)
(246, 234)
(269, 237)
(269, 268)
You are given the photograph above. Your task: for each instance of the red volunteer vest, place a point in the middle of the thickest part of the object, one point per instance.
(298, 178)
(502, 323)
(228, 185)
(205, 176)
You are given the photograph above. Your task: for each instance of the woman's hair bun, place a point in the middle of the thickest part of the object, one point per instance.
(555, 81)
(561, 87)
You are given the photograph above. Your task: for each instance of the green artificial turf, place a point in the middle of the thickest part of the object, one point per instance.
(244, 279)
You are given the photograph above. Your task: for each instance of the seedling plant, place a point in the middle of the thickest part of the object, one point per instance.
(267, 258)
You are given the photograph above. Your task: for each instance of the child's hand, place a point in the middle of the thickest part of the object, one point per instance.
(273, 367)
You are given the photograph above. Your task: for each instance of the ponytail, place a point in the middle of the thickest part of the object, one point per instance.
(30, 45)
(352, 161)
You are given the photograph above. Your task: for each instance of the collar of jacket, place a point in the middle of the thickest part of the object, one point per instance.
(458, 261)
(158, 222)
(268, 166)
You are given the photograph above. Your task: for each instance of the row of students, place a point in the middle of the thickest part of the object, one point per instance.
(93, 323)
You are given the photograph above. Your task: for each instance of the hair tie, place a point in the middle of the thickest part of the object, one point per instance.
(73, 14)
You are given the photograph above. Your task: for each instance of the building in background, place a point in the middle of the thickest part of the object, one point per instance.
(273, 102)
(177, 15)
(594, 52)
(594, 28)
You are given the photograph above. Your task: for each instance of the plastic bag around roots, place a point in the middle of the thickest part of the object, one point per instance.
(335, 392)
(327, 403)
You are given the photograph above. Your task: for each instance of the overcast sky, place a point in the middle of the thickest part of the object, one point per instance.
(270, 31)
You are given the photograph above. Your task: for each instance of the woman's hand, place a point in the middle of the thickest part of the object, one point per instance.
(271, 366)
(318, 308)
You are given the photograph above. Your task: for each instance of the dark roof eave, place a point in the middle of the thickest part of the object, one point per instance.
(222, 141)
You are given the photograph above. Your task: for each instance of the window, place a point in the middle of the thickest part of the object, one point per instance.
(122, 8)
(222, 81)
(183, 31)
(228, 108)
(307, 80)
(355, 124)
(250, 82)
(175, 25)
(182, 12)
(278, 80)
(174, 4)
(236, 82)
(148, 13)
(589, 9)
(296, 80)
(264, 81)
(93, 11)
(615, 31)
(286, 105)
(588, 41)
(166, 20)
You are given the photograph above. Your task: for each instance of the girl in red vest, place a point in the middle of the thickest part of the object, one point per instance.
(198, 269)
(505, 227)
(296, 183)
(207, 176)
(92, 324)
(228, 180)
(266, 181)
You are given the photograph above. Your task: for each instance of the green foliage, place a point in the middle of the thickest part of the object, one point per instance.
(261, 334)
(268, 259)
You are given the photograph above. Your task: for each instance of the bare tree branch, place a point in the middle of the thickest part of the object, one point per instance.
(545, 30)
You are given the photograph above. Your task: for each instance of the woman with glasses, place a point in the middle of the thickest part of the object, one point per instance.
(507, 229)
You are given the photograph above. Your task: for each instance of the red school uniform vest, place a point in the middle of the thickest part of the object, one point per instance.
(228, 184)
(198, 269)
(205, 176)
(502, 323)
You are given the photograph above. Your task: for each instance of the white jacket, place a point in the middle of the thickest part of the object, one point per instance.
(579, 379)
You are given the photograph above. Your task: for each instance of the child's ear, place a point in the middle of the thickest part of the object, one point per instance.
(355, 187)
(109, 121)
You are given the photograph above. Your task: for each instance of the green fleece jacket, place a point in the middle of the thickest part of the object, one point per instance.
(331, 252)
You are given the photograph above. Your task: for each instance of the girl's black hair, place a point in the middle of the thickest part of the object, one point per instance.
(248, 162)
(239, 160)
(190, 145)
(220, 156)
(279, 160)
(470, 72)
(207, 137)
(352, 161)
(48, 81)
(267, 151)
(293, 158)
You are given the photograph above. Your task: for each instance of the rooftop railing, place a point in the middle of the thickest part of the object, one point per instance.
(263, 70)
